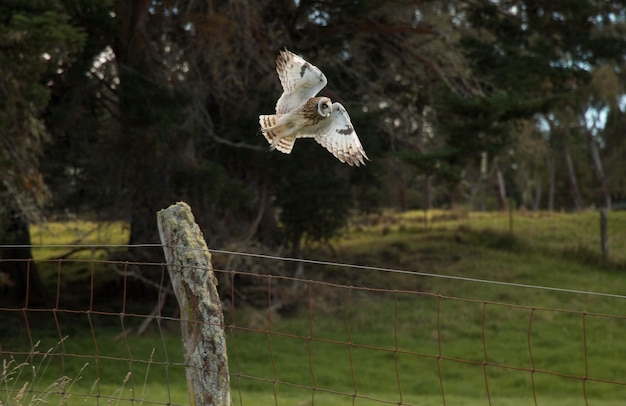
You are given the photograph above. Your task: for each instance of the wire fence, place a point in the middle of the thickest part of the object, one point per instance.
(321, 333)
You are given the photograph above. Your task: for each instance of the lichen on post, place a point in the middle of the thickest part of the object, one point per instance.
(202, 321)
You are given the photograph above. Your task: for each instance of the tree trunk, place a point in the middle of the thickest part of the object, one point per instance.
(552, 175)
(28, 287)
(428, 204)
(145, 132)
(538, 188)
(142, 231)
(404, 206)
(481, 191)
(604, 234)
(501, 190)
(578, 200)
(599, 170)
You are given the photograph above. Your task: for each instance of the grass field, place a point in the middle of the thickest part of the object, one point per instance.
(417, 340)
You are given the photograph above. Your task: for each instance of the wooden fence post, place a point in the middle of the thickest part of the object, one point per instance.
(189, 265)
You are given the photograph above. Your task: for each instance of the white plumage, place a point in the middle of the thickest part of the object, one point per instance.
(299, 114)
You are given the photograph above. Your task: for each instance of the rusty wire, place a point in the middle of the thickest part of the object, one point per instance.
(270, 330)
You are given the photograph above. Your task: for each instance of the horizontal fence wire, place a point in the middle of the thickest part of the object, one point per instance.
(317, 336)
(337, 265)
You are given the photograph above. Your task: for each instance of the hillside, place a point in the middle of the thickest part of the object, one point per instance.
(458, 309)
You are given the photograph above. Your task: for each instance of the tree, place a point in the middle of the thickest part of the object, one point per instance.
(599, 97)
(314, 205)
(167, 95)
(615, 151)
(177, 104)
(37, 43)
(539, 56)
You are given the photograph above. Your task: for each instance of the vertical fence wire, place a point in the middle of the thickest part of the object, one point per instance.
(585, 358)
(395, 347)
(309, 342)
(439, 354)
(485, 356)
(355, 391)
(530, 353)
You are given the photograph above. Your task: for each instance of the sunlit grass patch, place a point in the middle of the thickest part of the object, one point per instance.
(70, 242)
(559, 232)
(556, 233)
(76, 232)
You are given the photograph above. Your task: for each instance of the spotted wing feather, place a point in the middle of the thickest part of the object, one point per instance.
(337, 135)
(300, 80)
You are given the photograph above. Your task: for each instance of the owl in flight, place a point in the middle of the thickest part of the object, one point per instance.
(300, 114)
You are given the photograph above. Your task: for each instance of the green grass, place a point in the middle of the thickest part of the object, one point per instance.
(565, 232)
(76, 233)
(106, 365)
(396, 337)
(399, 344)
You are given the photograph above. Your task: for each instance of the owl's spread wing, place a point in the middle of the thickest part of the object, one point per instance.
(300, 81)
(337, 135)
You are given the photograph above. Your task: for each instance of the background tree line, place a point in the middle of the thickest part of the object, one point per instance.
(115, 109)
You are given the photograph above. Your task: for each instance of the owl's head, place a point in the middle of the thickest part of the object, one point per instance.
(324, 107)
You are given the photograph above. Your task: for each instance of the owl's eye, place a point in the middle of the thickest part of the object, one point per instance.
(325, 108)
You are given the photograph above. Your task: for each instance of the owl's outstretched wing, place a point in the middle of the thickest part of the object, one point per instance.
(300, 81)
(337, 135)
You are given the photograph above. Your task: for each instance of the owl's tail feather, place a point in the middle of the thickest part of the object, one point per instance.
(276, 135)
